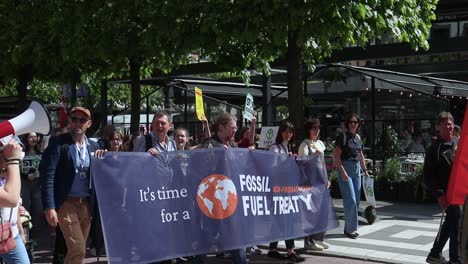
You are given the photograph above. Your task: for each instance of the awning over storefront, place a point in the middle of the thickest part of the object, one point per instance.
(359, 78)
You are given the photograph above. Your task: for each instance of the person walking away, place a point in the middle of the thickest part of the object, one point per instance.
(437, 166)
(349, 159)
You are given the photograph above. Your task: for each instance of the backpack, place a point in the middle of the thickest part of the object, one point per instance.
(148, 142)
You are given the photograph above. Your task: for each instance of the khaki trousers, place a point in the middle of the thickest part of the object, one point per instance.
(74, 218)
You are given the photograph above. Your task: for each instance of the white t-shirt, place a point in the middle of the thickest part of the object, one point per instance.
(282, 148)
(307, 145)
(5, 213)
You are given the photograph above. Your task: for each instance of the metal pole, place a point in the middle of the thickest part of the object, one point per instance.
(267, 109)
(373, 120)
(185, 110)
(307, 109)
(104, 99)
(147, 112)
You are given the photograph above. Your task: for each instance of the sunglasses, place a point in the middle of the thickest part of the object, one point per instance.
(353, 122)
(77, 119)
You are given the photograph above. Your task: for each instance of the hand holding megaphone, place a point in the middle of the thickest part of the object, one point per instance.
(34, 119)
(12, 150)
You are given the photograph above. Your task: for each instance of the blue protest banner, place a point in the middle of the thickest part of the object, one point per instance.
(187, 203)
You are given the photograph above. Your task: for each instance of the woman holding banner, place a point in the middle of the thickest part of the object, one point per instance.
(349, 159)
(313, 146)
(281, 146)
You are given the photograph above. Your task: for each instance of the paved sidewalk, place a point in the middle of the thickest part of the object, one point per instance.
(403, 233)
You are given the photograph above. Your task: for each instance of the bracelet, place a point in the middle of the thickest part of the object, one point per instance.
(14, 159)
(12, 163)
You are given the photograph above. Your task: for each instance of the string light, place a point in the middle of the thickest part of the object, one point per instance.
(367, 88)
(452, 96)
(378, 90)
(419, 94)
(410, 95)
(460, 97)
(401, 93)
(389, 91)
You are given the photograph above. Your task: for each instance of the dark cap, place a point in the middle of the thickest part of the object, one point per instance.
(81, 109)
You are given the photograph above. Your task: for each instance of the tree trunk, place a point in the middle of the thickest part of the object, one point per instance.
(23, 78)
(294, 75)
(135, 66)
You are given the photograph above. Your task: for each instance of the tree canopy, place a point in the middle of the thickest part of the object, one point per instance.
(62, 40)
(258, 32)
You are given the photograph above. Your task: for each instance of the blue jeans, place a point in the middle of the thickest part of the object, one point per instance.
(18, 255)
(351, 194)
(238, 257)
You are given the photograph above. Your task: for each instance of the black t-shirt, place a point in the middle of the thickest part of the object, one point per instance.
(351, 148)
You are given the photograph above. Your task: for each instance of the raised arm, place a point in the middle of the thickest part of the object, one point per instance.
(206, 127)
(10, 159)
(252, 131)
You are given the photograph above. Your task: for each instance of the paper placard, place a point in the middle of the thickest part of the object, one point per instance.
(249, 111)
(199, 104)
(267, 136)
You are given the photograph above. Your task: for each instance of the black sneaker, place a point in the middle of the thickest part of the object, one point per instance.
(275, 254)
(352, 235)
(439, 259)
(295, 257)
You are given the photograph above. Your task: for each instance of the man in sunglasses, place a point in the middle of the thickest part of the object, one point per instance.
(66, 186)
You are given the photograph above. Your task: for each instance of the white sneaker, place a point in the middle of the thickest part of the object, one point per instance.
(323, 244)
(313, 247)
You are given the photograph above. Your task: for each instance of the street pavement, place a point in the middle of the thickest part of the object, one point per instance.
(403, 233)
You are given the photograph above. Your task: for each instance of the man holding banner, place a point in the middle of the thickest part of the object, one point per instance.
(157, 140)
(437, 168)
(225, 129)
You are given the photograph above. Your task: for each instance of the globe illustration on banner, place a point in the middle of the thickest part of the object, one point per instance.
(217, 196)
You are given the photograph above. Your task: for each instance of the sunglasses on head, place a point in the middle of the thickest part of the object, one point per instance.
(75, 119)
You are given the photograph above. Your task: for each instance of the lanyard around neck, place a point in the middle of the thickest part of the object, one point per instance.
(81, 152)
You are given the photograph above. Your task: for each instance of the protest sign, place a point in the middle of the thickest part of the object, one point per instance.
(249, 111)
(199, 107)
(267, 136)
